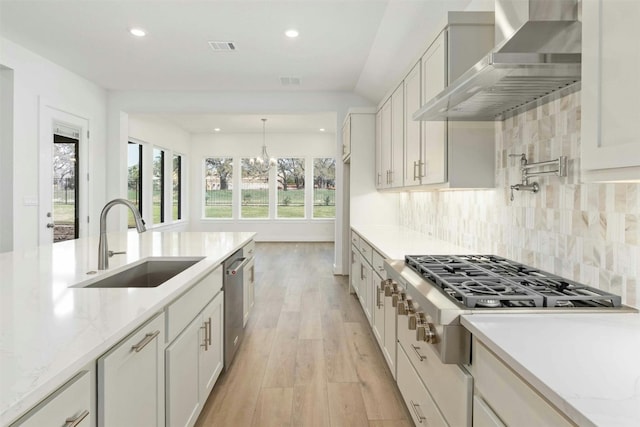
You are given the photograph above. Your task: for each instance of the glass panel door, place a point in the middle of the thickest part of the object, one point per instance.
(65, 188)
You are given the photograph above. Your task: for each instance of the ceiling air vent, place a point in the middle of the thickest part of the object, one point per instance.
(290, 81)
(223, 46)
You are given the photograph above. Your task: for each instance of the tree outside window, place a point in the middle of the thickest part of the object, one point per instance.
(218, 185)
(254, 195)
(291, 187)
(324, 188)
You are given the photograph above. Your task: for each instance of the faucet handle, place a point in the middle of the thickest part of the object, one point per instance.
(112, 253)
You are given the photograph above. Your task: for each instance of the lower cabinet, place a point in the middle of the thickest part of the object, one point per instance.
(131, 379)
(193, 363)
(70, 405)
(502, 397)
(417, 398)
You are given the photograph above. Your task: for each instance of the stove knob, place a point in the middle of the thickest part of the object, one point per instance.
(413, 321)
(426, 332)
(402, 308)
(394, 299)
(388, 288)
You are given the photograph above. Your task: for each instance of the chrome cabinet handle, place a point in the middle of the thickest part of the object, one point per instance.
(379, 178)
(146, 340)
(416, 410)
(74, 421)
(234, 271)
(206, 342)
(416, 164)
(378, 302)
(415, 349)
(209, 323)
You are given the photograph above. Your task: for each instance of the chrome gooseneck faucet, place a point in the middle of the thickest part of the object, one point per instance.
(103, 248)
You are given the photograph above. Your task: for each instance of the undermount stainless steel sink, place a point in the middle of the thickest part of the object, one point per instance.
(148, 274)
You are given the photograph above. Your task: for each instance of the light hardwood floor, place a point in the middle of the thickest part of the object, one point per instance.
(308, 357)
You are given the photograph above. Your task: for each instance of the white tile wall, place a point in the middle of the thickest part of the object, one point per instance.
(585, 232)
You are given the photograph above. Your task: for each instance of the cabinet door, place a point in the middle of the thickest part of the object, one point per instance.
(378, 310)
(397, 138)
(412, 131)
(182, 357)
(434, 80)
(211, 356)
(68, 405)
(356, 272)
(248, 277)
(390, 340)
(379, 170)
(131, 379)
(610, 89)
(365, 278)
(385, 143)
(346, 138)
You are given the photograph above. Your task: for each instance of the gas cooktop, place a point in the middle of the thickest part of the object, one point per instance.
(489, 281)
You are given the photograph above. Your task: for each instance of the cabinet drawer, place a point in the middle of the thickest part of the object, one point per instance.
(420, 404)
(511, 398)
(450, 386)
(355, 239)
(366, 251)
(185, 308)
(378, 264)
(71, 402)
(249, 250)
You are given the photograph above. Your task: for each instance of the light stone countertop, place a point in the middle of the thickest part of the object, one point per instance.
(49, 331)
(587, 365)
(395, 242)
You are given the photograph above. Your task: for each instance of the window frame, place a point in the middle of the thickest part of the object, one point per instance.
(140, 176)
(203, 193)
(313, 177)
(162, 179)
(180, 177)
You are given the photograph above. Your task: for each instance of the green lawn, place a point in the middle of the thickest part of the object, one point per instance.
(324, 211)
(64, 214)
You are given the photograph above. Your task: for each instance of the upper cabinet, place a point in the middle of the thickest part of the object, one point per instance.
(438, 154)
(610, 89)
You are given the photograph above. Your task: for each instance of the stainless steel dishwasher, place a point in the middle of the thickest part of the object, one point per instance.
(233, 309)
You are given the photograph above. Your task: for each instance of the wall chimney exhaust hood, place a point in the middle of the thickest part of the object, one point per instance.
(537, 59)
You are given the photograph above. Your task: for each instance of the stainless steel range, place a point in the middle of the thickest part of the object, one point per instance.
(434, 290)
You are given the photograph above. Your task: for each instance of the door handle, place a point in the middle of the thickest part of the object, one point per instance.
(234, 271)
(146, 340)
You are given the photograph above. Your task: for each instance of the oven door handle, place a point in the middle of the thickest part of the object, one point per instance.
(234, 271)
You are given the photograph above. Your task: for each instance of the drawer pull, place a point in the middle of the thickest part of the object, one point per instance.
(74, 421)
(206, 334)
(146, 340)
(209, 335)
(416, 410)
(415, 349)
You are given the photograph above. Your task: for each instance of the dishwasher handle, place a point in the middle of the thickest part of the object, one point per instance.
(234, 271)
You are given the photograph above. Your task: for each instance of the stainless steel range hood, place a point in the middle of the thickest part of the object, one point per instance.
(537, 59)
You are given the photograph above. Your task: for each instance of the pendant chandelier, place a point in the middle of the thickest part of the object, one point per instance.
(264, 162)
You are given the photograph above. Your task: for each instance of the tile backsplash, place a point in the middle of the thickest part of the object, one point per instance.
(586, 232)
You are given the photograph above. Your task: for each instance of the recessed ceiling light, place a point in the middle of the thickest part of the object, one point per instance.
(321, 129)
(291, 33)
(216, 129)
(138, 32)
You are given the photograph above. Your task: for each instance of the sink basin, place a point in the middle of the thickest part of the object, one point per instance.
(148, 274)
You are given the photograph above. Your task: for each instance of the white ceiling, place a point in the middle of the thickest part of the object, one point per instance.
(249, 123)
(362, 46)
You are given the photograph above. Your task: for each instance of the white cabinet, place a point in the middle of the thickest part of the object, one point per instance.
(434, 79)
(509, 398)
(346, 139)
(390, 331)
(70, 405)
(365, 287)
(378, 309)
(379, 168)
(412, 129)
(420, 403)
(131, 379)
(356, 273)
(455, 154)
(249, 286)
(610, 141)
(193, 363)
(390, 143)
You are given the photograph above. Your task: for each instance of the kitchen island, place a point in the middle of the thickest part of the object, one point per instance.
(51, 329)
(586, 365)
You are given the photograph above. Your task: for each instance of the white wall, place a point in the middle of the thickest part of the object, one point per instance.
(121, 104)
(6, 159)
(153, 132)
(249, 145)
(35, 78)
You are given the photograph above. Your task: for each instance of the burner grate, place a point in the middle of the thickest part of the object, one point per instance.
(491, 281)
